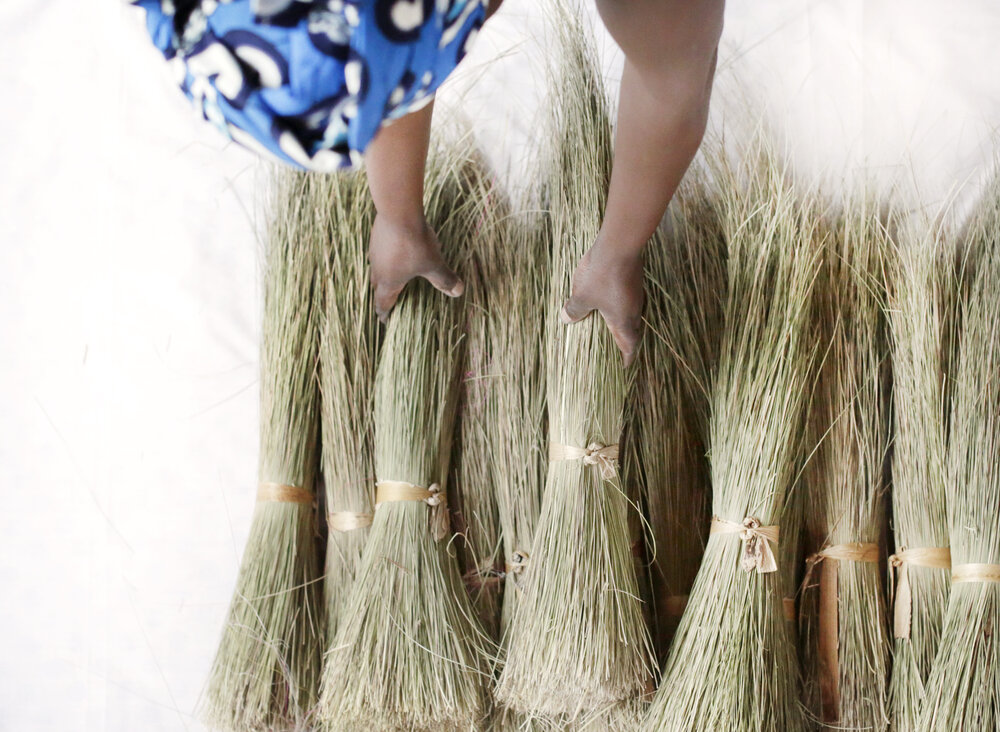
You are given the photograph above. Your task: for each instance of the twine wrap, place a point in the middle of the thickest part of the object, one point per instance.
(390, 491)
(975, 573)
(604, 456)
(757, 541)
(345, 521)
(280, 493)
(936, 557)
(829, 618)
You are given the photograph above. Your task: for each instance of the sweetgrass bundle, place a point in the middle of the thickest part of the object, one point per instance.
(732, 665)
(408, 653)
(267, 667)
(476, 521)
(685, 288)
(578, 643)
(843, 626)
(963, 691)
(344, 214)
(922, 558)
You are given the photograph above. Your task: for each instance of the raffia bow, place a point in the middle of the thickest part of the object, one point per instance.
(757, 540)
(603, 456)
(899, 581)
(388, 491)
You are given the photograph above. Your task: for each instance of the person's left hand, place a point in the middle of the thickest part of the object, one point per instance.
(398, 254)
(610, 283)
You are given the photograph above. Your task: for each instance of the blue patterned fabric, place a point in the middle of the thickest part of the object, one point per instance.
(310, 82)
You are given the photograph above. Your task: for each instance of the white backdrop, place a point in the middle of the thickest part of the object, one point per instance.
(129, 302)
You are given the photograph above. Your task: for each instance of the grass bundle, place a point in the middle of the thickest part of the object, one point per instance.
(922, 558)
(344, 214)
(516, 417)
(408, 653)
(578, 643)
(267, 668)
(843, 627)
(685, 288)
(963, 691)
(732, 665)
(476, 520)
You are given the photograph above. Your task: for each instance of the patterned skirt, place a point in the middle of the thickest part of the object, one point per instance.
(310, 82)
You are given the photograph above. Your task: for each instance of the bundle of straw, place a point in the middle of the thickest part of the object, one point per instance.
(476, 520)
(267, 667)
(922, 558)
(344, 214)
(963, 691)
(408, 652)
(843, 625)
(685, 286)
(732, 665)
(578, 643)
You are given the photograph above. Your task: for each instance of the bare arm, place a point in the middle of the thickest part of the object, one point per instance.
(670, 48)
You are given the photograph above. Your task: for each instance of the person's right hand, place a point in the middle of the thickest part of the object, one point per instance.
(398, 254)
(609, 282)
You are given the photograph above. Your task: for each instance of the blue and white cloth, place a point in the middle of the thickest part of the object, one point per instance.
(310, 82)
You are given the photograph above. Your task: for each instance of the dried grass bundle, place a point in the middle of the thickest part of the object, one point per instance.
(344, 214)
(267, 667)
(578, 642)
(732, 665)
(408, 653)
(963, 691)
(476, 520)
(916, 319)
(685, 289)
(843, 626)
(514, 411)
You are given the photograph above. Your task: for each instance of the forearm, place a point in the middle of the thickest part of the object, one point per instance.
(395, 162)
(658, 133)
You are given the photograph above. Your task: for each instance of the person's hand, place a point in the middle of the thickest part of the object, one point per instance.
(400, 253)
(610, 283)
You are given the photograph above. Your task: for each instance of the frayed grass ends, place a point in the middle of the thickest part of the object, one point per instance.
(732, 665)
(409, 653)
(267, 668)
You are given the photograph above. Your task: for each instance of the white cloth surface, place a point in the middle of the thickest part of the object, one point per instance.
(129, 301)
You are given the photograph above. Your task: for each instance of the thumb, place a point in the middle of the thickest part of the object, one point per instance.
(626, 334)
(444, 279)
(574, 311)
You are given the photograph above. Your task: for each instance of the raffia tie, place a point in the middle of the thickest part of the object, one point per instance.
(517, 563)
(390, 491)
(280, 493)
(345, 521)
(829, 618)
(936, 557)
(604, 456)
(757, 540)
(975, 573)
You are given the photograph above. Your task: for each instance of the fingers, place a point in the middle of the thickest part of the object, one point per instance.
(444, 279)
(385, 299)
(574, 310)
(626, 333)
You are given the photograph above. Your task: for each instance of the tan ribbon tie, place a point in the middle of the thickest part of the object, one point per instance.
(937, 557)
(390, 491)
(829, 619)
(280, 493)
(517, 564)
(963, 573)
(603, 456)
(345, 521)
(757, 541)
